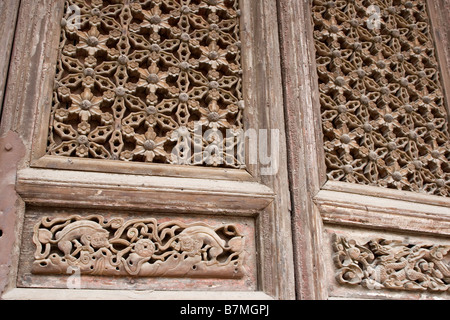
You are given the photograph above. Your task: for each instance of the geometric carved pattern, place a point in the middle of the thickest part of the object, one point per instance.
(385, 264)
(137, 248)
(383, 112)
(135, 79)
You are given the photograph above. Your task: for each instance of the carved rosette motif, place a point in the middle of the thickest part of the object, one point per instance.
(137, 248)
(144, 80)
(386, 264)
(383, 113)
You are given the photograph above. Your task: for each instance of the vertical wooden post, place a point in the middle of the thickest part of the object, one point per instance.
(305, 158)
(8, 16)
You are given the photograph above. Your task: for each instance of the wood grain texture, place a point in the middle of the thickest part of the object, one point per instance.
(380, 213)
(65, 294)
(9, 10)
(27, 68)
(384, 193)
(11, 152)
(147, 169)
(182, 195)
(306, 158)
(264, 111)
(32, 67)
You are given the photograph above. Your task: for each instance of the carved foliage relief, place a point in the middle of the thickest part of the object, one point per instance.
(383, 113)
(135, 79)
(386, 264)
(137, 247)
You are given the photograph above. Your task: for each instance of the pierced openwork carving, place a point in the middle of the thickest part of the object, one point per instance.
(383, 112)
(138, 247)
(386, 264)
(136, 79)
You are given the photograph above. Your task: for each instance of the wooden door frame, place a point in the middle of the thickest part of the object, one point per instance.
(264, 198)
(319, 204)
(9, 10)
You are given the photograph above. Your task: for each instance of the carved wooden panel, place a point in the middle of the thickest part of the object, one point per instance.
(383, 110)
(137, 250)
(145, 80)
(137, 247)
(386, 264)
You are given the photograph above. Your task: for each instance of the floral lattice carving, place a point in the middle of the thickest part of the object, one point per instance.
(383, 113)
(386, 264)
(137, 247)
(135, 80)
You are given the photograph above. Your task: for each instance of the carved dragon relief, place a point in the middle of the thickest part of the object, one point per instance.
(137, 247)
(386, 264)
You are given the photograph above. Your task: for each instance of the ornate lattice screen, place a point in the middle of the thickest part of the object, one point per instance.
(148, 81)
(383, 113)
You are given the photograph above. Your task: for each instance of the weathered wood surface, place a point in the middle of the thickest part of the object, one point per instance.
(148, 169)
(65, 294)
(182, 195)
(11, 151)
(381, 213)
(306, 158)
(28, 66)
(263, 90)
(8, 16)
(32, 67)
(385, 193)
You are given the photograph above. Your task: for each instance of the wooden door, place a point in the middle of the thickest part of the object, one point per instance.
(131, 175)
